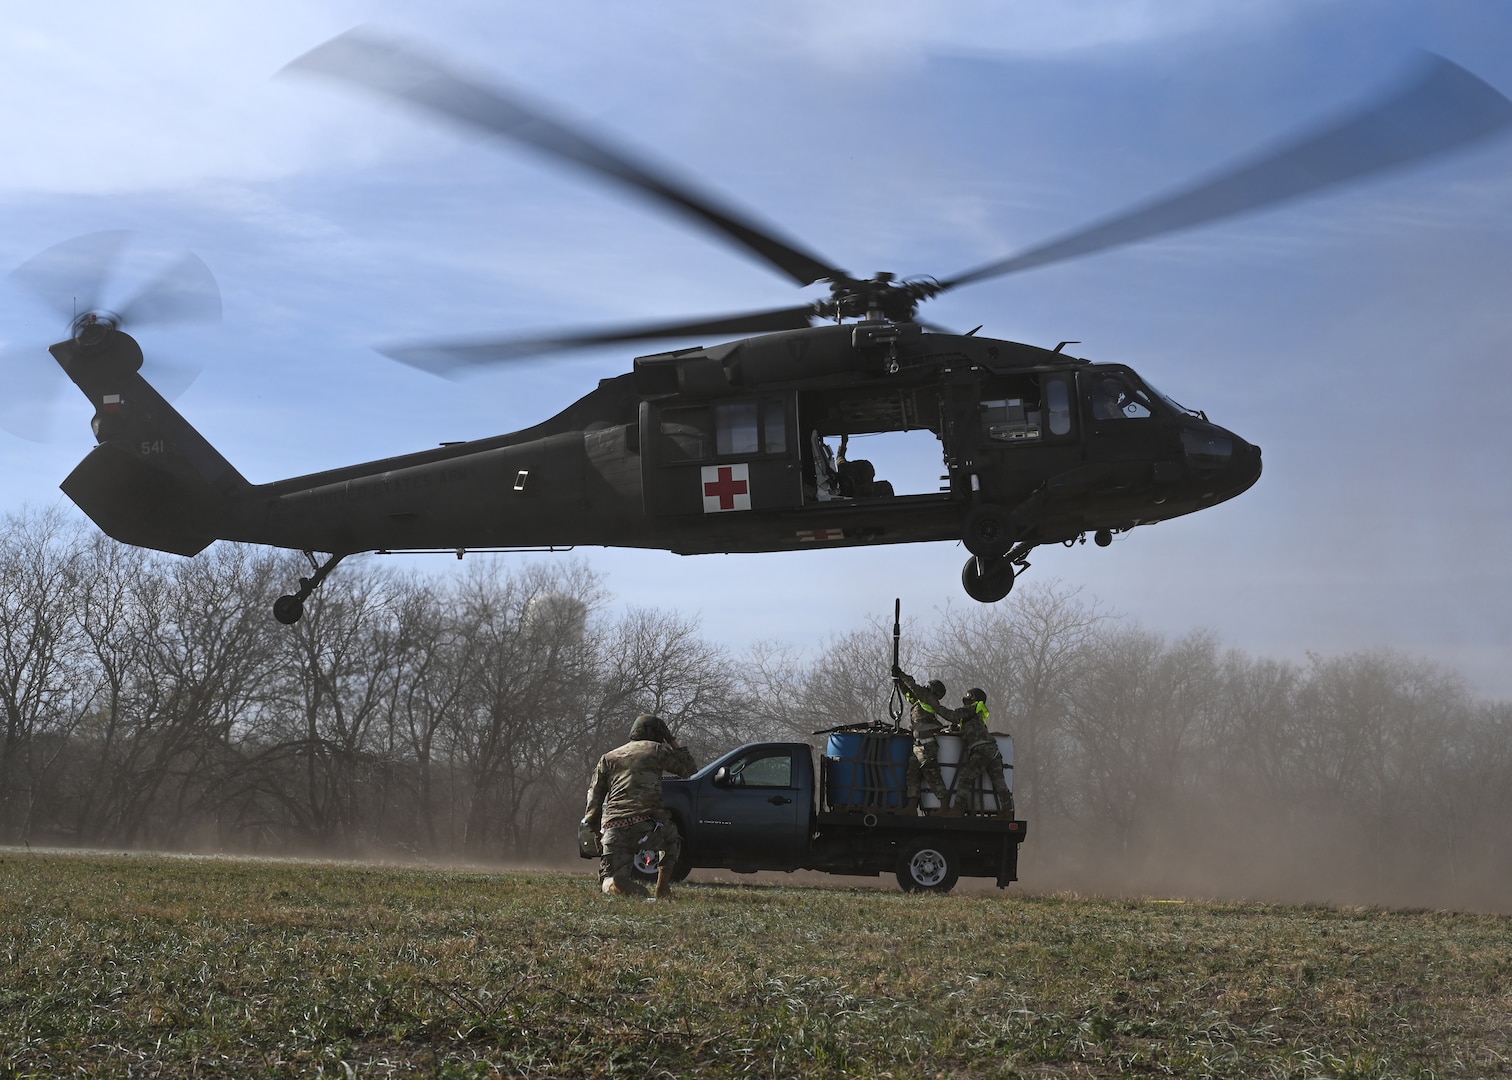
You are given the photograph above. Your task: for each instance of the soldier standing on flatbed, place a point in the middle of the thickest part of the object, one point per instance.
(625, 800)
(928, 720)
(979, 754)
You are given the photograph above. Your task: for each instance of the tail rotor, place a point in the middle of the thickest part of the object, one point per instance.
(72, 279)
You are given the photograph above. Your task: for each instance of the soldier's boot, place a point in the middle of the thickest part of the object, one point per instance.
(663, 883)
(949, 808)
(613, 887)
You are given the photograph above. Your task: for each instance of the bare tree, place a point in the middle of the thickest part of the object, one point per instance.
(1137, 716)
(198, 649)
(657, 662)
(851, 683)
(41, 657)
(336, 674)
(431, 695)
(526, 681)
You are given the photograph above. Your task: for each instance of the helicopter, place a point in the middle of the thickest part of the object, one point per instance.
(727, 447)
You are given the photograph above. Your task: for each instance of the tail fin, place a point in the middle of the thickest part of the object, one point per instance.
(153, 481)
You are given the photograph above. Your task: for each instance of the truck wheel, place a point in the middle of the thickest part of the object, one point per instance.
(648, 862)
(928, 866)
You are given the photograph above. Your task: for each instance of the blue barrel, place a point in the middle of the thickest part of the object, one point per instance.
(867, 770)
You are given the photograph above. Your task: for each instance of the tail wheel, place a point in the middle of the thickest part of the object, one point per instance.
(990, 531)
(928, 865)
(288, 609)
(987, 580)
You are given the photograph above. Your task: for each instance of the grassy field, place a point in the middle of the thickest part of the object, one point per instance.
(145, 966)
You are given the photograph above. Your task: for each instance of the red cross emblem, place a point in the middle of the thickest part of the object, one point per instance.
(726, 487)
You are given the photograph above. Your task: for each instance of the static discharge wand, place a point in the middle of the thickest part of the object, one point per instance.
(895, 704)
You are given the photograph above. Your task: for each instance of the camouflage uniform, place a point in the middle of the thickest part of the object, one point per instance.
(625, 801)
(979, 755)
(928, 721)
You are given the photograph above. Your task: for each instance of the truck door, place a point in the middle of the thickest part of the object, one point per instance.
(753, 807)
(720, 457)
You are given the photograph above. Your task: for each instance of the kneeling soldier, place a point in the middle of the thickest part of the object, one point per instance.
(625, 799)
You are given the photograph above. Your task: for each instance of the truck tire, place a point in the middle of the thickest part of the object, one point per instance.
(928, 865)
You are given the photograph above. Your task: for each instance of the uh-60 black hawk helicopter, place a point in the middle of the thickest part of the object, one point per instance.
(726, 448)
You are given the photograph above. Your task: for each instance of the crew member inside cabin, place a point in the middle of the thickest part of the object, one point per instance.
(858, 479)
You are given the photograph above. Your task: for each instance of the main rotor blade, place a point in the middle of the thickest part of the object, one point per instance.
(457, 358)
(185, 292)
(32, 386)
(1440, 108)
(393, 70)
(70, 276)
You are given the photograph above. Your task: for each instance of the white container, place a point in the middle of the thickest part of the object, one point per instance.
(950, 757)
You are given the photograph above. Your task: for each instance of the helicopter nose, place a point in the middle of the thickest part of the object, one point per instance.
(1248, 462)
(1221, 457)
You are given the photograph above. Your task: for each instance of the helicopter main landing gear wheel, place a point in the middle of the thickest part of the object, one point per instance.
(987, 580)
(289, 608)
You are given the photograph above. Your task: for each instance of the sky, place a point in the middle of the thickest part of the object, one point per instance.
(1356, 337)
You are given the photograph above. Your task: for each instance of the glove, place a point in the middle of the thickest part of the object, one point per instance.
(897, 672)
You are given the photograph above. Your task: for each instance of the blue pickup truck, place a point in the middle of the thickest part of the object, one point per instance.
(764, 807)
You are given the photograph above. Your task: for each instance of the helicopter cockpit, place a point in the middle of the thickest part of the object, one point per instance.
(1117, 396)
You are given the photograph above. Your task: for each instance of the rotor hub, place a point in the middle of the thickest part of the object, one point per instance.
(879, 297)
(93, 327)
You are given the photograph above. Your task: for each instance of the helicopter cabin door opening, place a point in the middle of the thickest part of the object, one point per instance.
(869, 448)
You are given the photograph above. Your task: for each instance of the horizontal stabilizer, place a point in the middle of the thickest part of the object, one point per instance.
(136, 503)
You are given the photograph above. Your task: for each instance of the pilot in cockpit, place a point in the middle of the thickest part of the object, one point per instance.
(1114, 397)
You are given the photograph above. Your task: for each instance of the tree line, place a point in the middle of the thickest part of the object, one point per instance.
(151, 701)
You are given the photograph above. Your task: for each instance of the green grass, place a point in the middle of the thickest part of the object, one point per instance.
(144, 966)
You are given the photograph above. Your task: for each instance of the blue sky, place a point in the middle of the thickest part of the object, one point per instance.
(1360, 338)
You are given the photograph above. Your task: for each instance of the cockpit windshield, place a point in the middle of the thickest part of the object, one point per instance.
(1173, 403)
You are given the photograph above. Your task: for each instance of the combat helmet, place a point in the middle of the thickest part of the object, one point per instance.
(649, 728)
